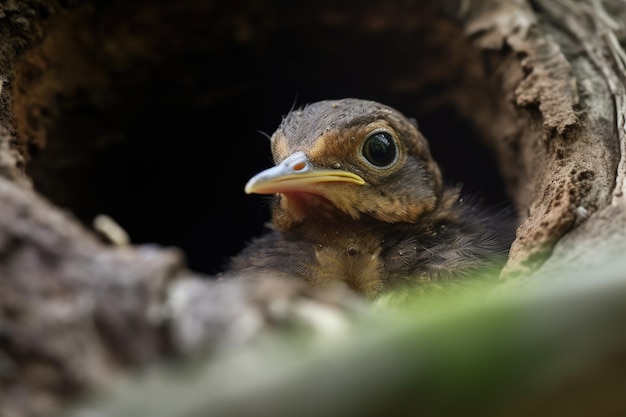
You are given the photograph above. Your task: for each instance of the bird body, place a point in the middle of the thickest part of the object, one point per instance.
(359, 200)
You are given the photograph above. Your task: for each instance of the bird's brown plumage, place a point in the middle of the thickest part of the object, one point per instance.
(359, 200)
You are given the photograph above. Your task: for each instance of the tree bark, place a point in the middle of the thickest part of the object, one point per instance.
(571, 66)
(93, 93)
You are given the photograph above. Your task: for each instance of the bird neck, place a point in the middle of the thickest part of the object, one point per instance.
(296, 211)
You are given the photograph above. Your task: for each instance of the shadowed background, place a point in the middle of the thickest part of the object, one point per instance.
(158, 110)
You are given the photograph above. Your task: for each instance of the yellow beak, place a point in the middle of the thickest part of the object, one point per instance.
(296, 173)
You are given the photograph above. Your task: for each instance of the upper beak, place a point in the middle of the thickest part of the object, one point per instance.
(296, 173)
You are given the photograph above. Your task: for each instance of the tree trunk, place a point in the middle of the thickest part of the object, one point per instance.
(129, 109)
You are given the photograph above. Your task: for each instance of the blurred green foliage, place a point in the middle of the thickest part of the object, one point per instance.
(542, 346)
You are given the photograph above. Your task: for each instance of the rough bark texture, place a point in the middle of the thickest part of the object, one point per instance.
(76, 314)
(92, 93)
(574, 155)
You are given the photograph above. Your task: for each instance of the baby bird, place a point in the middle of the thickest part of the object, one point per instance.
(358, 199)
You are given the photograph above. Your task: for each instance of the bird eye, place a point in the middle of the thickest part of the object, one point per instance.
(379, 149)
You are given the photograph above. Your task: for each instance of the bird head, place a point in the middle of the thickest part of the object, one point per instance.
(352, 157)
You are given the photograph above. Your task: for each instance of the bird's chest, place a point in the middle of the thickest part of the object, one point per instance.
(347, 255)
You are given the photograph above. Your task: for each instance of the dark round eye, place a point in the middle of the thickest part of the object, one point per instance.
(379, 149)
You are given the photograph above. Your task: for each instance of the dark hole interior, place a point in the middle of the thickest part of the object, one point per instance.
(191, 135)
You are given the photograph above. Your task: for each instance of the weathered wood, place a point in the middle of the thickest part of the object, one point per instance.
(76, 314)
(567, 52)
